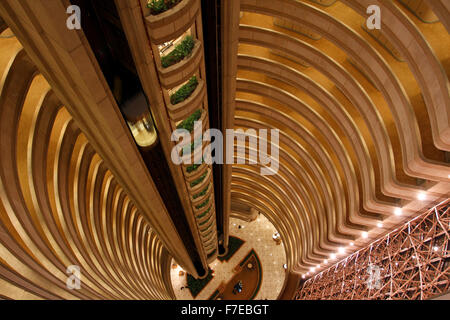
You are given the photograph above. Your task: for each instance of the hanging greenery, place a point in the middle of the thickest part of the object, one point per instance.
(185, 91)
(202, 193)
(159, 6)
(181, 51)
(201, 215)
(198, 180)
(201, 205)
(192, 167)
(188, 123)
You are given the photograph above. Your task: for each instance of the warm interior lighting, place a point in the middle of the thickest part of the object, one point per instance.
(398, 211)
(136, 112)
(332, 256)
(325, 261)
(435, 248)
(352, 244)
(379, 225)
(341, 250)
(421, 196)
(365, 235)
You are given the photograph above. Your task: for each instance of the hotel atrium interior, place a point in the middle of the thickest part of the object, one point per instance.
(350, 201)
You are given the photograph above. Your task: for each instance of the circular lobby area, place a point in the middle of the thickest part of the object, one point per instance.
(253, 269)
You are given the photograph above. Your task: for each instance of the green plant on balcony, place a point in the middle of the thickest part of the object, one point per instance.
(201, 205)
(206, 221)
(208, 226)
(185, 91)
(159, 6)
(188, 123)
(194, 144)
(201, 193)
(201, 215)
(208, 234)
(192, 167)
(198, 180)
(180, 52)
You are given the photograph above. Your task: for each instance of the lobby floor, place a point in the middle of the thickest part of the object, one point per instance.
(258, 236)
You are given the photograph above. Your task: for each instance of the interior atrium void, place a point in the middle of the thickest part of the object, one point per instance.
(224, 149)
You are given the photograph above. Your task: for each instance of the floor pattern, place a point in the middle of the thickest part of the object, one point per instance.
(249, 273)
(257, 236)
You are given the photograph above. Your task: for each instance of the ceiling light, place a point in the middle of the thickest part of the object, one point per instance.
(352, 244)
(435, 248)
(379, 225)
(332, 256)
(303, 276)
(365, 234)
(312, 269)
(341, 250)
(318, 266)
(398, 211)
(421, 196)
(325, 261)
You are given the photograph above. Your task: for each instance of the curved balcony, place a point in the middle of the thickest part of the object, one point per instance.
(205, 226)
(181, 71)
(200, 199)
(204, 123)
(202, 183)
(207, 215)
(197, 173)
(191, 157)
(173, 22)
(204, 213)
(184, 109)
(211, 246)
(207, 236)
(207, 229)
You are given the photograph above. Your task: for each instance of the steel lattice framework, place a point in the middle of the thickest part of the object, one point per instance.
(411, 263)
